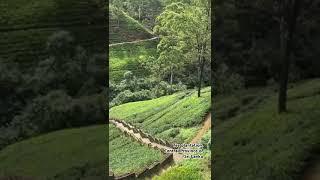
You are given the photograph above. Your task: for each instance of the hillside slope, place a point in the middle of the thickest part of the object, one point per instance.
(175, 118)
(252, 141)
(72, 153)
(123, 28)
(26, 24)
(127, 155)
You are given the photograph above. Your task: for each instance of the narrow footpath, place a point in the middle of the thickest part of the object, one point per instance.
(133, 42)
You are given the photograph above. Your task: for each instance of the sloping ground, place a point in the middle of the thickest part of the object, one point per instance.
(258, 143)
(125, 57)
(192, 168)
(123, 28)
(127, 155)
(26, 24)
(175, 118)
(205, 127)
(59, 153)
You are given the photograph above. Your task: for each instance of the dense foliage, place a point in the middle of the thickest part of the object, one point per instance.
(65, 90)
(132, 89)
(247, 41)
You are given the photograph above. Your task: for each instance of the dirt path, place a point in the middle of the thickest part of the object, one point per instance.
(205, 127)
(132, 42)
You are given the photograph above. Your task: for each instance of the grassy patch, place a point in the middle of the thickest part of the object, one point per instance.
(54, 153)
(188, 170)
(126, 58)
(127, 155)
(262, 144)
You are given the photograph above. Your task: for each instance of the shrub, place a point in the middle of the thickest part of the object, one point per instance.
(225, 81)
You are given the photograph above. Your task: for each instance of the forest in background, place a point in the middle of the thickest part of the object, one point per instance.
(166, 63)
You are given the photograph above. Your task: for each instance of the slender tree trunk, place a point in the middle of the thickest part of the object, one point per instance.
(283, 76)
(286, 37)
(201, 76)
(201, 60)
(139, 12)
(171, 79)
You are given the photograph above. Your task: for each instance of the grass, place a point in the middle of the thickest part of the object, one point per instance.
(191, 168)
(174, 117)
(126, 58)
(259, 143)
(26, 24)
(127, 155)
(55, 153)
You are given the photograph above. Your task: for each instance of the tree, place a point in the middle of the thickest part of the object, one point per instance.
(185, 31)
(288, 18)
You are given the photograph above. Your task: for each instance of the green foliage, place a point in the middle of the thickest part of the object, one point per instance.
(132, 89)
(55, 153)
(26, 25)
(247, 40)
(262, 144)
(123, 28)
(188, 170)
(127, 155)
(143, 10)
(185, 38)
(65, 90)
(127, 57)
(180, 110)
(206, 140)
(226, 81)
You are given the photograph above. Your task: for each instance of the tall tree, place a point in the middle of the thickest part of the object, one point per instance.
(289, 11)
(189, 24)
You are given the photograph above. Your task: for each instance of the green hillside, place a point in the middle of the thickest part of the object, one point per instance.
(175, 117)
(252, 141)
(127, 155)
(126, 57)
(123, 28)
(58, 153)
(26, 24)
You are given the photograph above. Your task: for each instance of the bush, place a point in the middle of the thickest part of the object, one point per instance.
(225, 81)
(132, 89)
(128, 96)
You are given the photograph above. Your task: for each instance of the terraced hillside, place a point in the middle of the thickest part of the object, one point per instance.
(253, 141)
(123, 28)
(175, 118)
(66, 154)
(126, 57)
(26, 24)
(127, 155)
